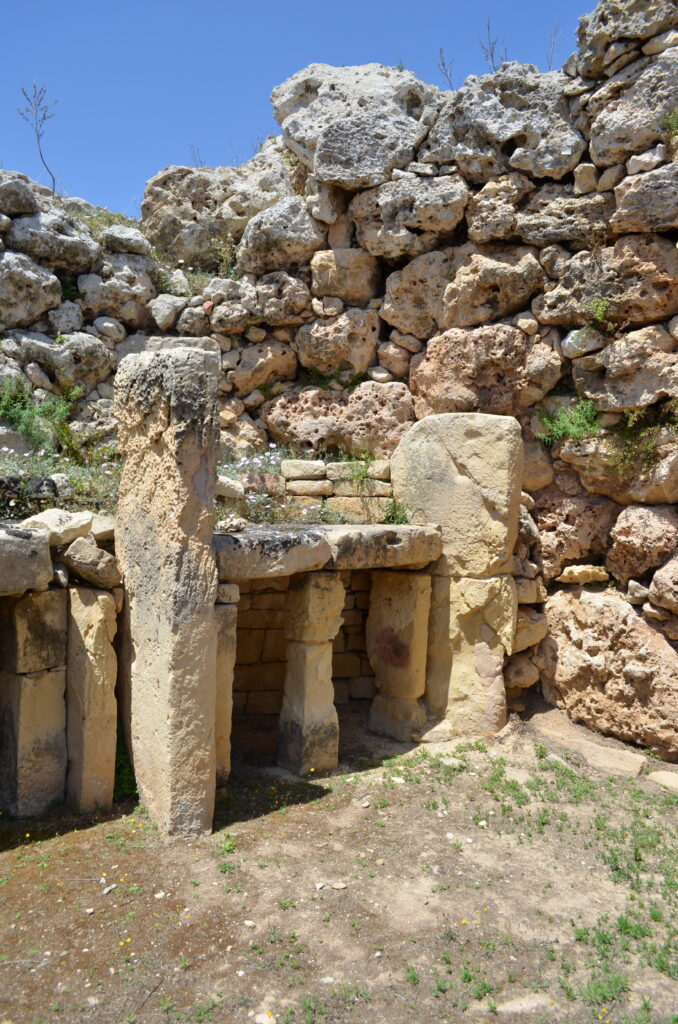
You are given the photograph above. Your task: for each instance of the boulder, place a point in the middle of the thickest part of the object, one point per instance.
(347, 341)
(487, 282)
(26, 290)
(123, 238)
(88, 561)
(612, 21)
(632, 372)
(54, 240)
(495, 369)
(25, 562)
(582, 574)
(61, 527)
(264, 363)
(647, 202)
(351, 275)
(408, 216)
(627, 115)
(555, 213)
(282, 236)
(282, 299)
(610, 670)
(382, 547)
(352, 125)
(486, 135)
(373, 417)
(636, 279)
(571, 528)
(642, 538)
(17, 197)
(122, 288)
(65, 318)
(606, 465)
(165, 310)
(664, 586)
(80, 358)
(491, 212)
(192, 210)
(413, 294)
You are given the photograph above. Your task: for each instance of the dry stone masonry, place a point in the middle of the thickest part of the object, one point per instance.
(457, 307)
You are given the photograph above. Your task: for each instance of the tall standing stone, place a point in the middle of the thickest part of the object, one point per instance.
(166, 404)
(463, 471)
(90, 699)
(227, 638)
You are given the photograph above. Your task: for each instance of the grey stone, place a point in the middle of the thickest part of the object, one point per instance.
(282, 236)
(54, 240)
(26, 290)
(25, 562)
(647, 202)
(611, 20)
(122, 238)
(17, 197)
(263, 552)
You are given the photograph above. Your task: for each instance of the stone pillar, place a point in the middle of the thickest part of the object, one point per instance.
(308, 731)
(90, 699)
(32, 705)
(166, 404)
(32, 741)
(463, 471)
(397, 635)
(227, 636)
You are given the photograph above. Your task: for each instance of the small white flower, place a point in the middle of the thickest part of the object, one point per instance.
(5, 449)
(180, 262)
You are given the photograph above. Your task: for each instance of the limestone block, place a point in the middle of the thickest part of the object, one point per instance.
(309, 488)
(62, 527)
(91, 720)
(91, 563)
(260, 552)
(349, 274)
(381, 546)
(25, 562)
(313, 608)
(530, 591)
(303, 469)
(582, 574)
(308, 729)
(537, 468)
(32, 741)
(226, 616)
(275, 645)
(463, 471)
(264, 703)
(346, 665)
(250, 643)
(471, 626)
(228, 593)
(359, 510)
(358, 488)
(33, 631)
(397, 632)
(166, 404)
(531, 627)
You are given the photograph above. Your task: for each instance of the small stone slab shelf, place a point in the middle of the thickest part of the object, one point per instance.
(260, 552)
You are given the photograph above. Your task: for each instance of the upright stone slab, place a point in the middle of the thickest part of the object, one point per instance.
(90, 699)
(33, 631)
(463, 471)
(308, 730)
(167, 410)
(396, 635)
(227, 637)
(32, 741)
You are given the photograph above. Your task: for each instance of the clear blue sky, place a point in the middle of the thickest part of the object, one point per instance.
(139, 82)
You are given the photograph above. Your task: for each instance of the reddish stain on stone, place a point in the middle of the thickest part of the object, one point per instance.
(391, 649)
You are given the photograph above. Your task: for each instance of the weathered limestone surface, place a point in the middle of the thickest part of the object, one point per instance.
(464, 471)
(383, 547)
(33, 631)
(259, 552)
(226, 616)
(308, 730)
(166, 405)
(25, 562)
(396, 635)
(611, 670)
(88, 561)
(32, 741)
(90, 699)
(61, 526)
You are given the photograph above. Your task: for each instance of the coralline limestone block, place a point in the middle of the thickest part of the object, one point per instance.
(226, 615)
(166, 404)
(90, 698)
(33, 631)
(308, 730)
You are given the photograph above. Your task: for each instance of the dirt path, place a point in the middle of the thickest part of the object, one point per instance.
(443, 884)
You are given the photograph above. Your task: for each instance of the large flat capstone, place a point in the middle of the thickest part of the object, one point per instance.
(264, 551)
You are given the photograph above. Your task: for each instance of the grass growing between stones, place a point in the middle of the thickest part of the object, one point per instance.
(469, 882)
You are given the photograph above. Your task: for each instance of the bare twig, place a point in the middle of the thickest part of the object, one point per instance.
(196, 156)
(445, 66)
(494, 58)
(37, 113)
(551, 52)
